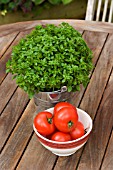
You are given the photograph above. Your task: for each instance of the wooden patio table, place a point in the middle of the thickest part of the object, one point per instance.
(19, 147)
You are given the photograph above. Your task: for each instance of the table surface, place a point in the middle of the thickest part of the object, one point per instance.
(19, 146)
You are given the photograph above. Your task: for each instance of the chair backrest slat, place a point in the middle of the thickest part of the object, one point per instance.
(98, 10)
(90, 10)
(111, 12)
(107, 9)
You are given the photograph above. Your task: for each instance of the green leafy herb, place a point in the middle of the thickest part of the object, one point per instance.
(51, 57)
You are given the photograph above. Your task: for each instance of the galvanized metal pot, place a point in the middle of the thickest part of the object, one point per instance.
(49, 99)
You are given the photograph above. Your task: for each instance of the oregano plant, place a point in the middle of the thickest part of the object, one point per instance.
(51, 57)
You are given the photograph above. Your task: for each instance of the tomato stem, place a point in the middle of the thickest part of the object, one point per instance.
(49, 120)
(70, 124)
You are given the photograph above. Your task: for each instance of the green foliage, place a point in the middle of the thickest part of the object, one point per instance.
(66, 1)
(55, 2)
(37, 2)
(51, 57)
(26, 5)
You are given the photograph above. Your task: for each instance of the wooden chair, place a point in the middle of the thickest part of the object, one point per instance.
(100, 10)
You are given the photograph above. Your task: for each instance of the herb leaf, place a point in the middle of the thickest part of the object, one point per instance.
(51, 57)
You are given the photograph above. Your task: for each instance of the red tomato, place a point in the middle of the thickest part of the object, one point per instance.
(61, 137)
(78, 132)
(60, 105)
(44, 123)
(53, 95)
(65, 119)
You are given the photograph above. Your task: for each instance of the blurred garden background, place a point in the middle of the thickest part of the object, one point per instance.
(12, 11)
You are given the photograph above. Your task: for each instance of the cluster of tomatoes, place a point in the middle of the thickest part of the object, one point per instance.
(62, 125)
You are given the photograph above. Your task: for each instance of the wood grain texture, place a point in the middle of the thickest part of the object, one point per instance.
(108, 160)
(7, 55)
(77, 24)
(37, 157)
(98, 80)
(7, 89)
(92, 156)
(68, 162)
(18, 139)
(6, 41)
(95, 41)
(11, 114)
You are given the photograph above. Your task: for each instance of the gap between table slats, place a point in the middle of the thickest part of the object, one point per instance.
(94, 150)
(6, 81)
(108, 159)
(11, 115)
(18, 139)
(108, 150)
(6, 41)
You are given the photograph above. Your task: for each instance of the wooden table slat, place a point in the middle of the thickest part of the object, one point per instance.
(37, 160)
(9, 88)
(12, 112)
(18, 139)
(77, 24)
(96, 42)
(99, 79)
(6, 41)
(93, 154)
(108, 160)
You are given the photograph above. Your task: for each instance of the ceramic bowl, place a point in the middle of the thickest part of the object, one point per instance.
(69, 147)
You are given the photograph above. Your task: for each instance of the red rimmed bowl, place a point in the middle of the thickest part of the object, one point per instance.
(69, 147)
